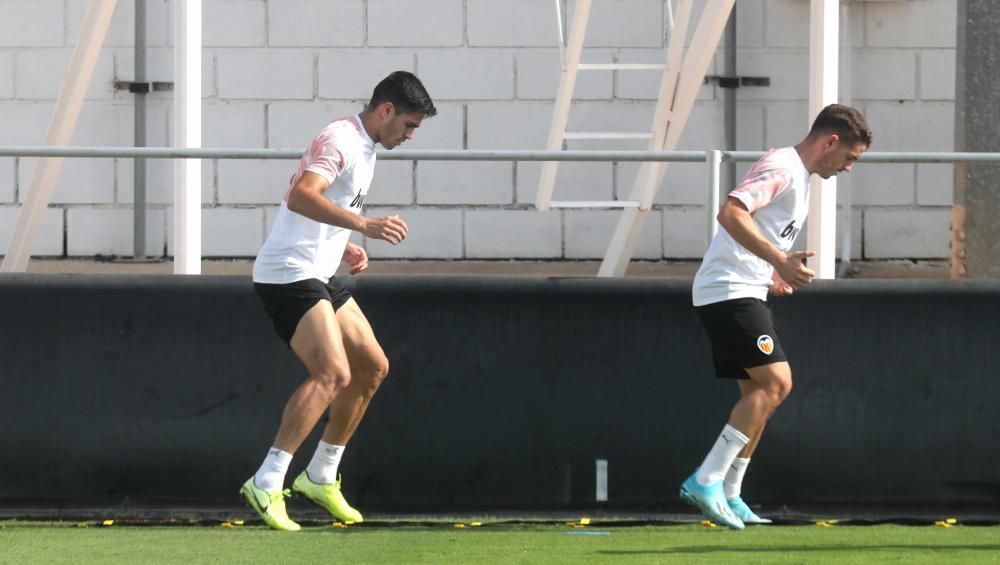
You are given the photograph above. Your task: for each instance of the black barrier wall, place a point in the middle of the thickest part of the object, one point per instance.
(502, 393)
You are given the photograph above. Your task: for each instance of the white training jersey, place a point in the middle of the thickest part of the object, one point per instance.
(776, 192)
(299, 248)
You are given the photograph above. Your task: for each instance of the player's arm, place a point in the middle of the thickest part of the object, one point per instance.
(356, 257)
(736, 220)
(306, 198)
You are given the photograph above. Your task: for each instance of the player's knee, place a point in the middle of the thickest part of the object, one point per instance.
(378, 370)
(780, 390)
(333, 379)
(381, 369)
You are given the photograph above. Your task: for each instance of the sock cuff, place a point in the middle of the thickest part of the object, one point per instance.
(282, 457)
(736, 433)
(330, 448)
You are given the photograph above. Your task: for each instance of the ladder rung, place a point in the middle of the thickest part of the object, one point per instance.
(620, 67)
(594, 204)
(607, 135)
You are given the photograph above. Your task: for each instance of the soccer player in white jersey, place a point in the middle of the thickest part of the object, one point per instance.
(312, 312)
(750, 256)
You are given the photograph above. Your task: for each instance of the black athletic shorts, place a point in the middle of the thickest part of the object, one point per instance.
(743, 336)
(287, 303)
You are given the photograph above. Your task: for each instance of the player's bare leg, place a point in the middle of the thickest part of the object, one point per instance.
(771, 386)
(369, 367)
(318, 343)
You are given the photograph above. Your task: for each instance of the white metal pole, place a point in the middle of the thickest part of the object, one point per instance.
(187, 133)
(821, 237)
(713, 161)
(564, 99)
(64, 116)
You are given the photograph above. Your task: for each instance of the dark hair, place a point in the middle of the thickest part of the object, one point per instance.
(406, 93)
(848, 123)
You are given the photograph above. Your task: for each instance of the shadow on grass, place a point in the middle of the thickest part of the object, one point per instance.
(704, 549)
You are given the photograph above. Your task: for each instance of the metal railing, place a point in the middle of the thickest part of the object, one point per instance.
(473, 154)
(712, 158)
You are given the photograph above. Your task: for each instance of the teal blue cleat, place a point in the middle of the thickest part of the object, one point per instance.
(744, 513)
(711, 501)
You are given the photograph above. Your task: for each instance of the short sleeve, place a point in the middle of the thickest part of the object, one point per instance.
(325, 159)
(759, 188)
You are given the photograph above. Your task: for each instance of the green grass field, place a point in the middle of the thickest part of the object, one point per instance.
(61, 542)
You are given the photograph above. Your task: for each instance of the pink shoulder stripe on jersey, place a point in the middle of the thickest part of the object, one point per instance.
(322, 157)
(764, 182)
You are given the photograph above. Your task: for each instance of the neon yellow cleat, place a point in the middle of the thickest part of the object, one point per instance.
(270, 506)
(327, 496)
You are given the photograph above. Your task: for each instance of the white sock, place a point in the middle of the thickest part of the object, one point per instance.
(323, 467)
(734, 477)
(271, 475)
(729, 444)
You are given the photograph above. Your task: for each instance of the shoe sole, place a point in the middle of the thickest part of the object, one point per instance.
(689, 498)
(324, 506)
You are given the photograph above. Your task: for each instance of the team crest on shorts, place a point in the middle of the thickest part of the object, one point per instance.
(765, 344)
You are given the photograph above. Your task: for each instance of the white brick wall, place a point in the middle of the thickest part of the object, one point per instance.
(245, 23)
(351, 73)
(31, 23)
(82, 181)
(787, 69)
(8, 178)
(39, 75)
(914, 234)
(50, 233)
(538, 75)
(295, 124)
(280, 74)
(574, 181)
(518, 234)
(512, 23)
(393, 183)
(921, 126)
(467, 74)
(440, 182)
(685, 233)
(242, 181)
(276, 71)
(446, 130)
(433, 233)
(122, 30)
(226, 232)
(405, 23)
(885, 74)
(6, 75)
(620, 23)
(935, 185)
(589, 231)
(882, 184)
(115, 237)
(937, 74)
(894, 24)
(315, 23)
